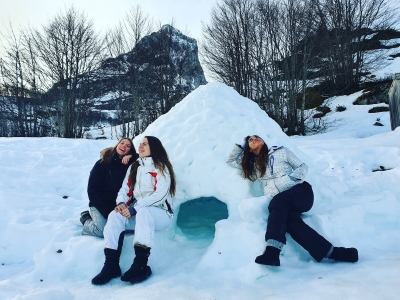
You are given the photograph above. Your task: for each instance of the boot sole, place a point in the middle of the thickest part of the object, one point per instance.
(141, 278)
(104, 282)
(268, 263)
(346, 255)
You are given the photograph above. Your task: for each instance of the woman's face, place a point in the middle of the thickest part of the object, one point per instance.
(123, 148)
(144, 148)
(255, 144)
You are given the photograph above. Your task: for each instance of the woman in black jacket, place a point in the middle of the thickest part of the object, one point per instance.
(105, 181)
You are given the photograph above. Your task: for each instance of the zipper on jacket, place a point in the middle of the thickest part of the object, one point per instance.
(271, 163)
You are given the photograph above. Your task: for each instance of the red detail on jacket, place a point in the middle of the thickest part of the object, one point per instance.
(130, 193)
(154, 174)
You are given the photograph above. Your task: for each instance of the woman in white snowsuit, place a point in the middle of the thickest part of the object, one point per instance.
(105, 181)
(282, 175)
(143, 204)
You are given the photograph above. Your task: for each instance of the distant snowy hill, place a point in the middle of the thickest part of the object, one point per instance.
(166, 47)
(163, 67)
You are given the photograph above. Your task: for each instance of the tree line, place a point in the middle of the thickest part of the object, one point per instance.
(49, 75)
(275, 51)
(271, 51)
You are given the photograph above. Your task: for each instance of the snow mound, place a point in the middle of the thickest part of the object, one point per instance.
(199, 133)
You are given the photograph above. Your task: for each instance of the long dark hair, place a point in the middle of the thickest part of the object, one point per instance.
(107, 154)
(161, 161)
(252, 163)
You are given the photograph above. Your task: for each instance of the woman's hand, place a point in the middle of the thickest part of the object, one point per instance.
(126, 213)
(126, 158)
(123, 210)
(119, 207)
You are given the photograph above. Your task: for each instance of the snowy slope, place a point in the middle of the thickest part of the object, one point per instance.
(354, 206)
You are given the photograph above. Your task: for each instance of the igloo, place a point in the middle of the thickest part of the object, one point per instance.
(198, 134)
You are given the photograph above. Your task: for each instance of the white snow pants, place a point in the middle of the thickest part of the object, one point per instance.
(147, 220)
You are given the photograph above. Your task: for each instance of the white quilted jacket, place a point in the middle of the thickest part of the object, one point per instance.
(284, 169)
(151, 187)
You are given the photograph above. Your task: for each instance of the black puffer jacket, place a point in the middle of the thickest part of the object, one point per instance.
(105, 180)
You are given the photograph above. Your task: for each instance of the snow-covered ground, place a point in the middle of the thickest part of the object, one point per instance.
(43, 190)
(384, 69)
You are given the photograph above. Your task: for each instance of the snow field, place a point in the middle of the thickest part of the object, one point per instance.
(353, 207)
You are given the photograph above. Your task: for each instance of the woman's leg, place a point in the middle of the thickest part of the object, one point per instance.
(113, 236)
(94, 226)
(149, 219)
(116, 225)
(304, 235)
(308, 238)
(299, 198)
(289, 206)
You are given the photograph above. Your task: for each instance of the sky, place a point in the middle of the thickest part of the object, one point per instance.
(187, 14)
(43, 185)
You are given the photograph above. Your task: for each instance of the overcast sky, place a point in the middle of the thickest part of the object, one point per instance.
(187, 14)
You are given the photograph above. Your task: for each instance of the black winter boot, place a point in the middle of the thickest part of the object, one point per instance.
(139, 271)
(110, 269)
(344, 254)
(270, 257)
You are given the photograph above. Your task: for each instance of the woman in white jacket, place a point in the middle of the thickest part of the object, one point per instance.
(143, 204)
(282, 175)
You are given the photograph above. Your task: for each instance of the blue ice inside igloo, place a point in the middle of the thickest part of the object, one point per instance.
(196, 218)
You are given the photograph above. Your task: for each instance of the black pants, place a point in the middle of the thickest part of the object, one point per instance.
(285, 211)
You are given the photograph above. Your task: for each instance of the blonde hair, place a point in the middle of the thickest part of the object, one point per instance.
(107, 154)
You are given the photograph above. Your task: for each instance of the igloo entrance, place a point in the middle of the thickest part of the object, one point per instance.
(197, 218)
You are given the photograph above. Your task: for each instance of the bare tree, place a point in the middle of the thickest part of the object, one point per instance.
(35, 79)
(137, 24)
(115, 41)
(298, 25)
(306, 48)
(227, 44)
(266, 49)
(348, 24)
(118, 41)
(12, 71)
(68, 47)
